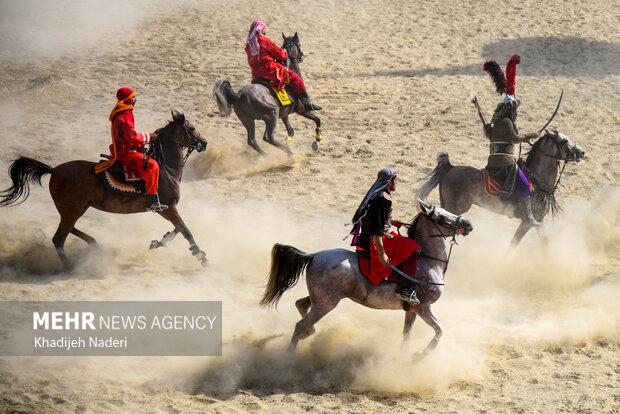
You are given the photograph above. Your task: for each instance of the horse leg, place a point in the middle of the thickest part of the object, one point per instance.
(409, 320)
(67, 220)
(289, 129)
(172, 215)
(248, 123)
(305, 327)
(524, 227)
(270, 127)
(303, 305)
(317, 130)
(427, 316)
(165, 241)
(88, 239)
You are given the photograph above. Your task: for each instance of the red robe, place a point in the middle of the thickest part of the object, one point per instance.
(263, 64)
(399, 249)
(126, 137)
(130, 149)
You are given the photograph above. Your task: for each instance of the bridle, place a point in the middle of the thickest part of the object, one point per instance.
(458, 229)
(196, 144)
(550, 190)
(291, 45)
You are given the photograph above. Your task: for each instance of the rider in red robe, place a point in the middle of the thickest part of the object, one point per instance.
(128, 147)
(263, 55)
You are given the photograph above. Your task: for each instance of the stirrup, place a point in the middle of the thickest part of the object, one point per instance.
(153, 203)
(408, 297)
(156, 208)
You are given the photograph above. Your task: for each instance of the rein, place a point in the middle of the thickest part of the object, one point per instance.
(191, 147)
(445, 237)
(442, 235)
(548, 192)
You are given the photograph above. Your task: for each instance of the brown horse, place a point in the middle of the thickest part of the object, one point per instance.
(75, 187)
(255, 102)
(462, 186)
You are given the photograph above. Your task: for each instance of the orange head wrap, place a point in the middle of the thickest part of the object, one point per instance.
(123, 94)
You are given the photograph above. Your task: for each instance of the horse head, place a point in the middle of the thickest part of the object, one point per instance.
(559, 146)
(444, 218)
(187, 136)
(292, 47)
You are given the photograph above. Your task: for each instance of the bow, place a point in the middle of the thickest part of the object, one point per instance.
(556, 111)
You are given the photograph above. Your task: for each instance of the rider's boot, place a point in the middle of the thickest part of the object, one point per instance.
(525, 210)
(153, 204)
(308, 105)
(407, 293)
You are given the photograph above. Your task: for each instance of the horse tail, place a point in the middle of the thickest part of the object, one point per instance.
(287, 264)
(436, 177)
(225, 96)
(23, 171)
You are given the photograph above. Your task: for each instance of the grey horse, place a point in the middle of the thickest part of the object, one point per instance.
(332, 275)
(462, 186)
(255, 102)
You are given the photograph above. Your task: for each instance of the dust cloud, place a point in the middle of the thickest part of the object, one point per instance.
(564, 294)
(37, 29)
(561, 292)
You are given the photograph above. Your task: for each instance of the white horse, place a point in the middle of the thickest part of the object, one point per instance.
(332, 275)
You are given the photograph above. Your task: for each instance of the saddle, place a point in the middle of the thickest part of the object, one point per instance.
(501, 183)
(282, 97)
(119, 177)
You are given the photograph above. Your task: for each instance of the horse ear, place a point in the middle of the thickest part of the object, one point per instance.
(425, 208)
(295, 36)
(283, 37)
(177, 116)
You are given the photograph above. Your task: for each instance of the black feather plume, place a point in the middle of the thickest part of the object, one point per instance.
(496, 73)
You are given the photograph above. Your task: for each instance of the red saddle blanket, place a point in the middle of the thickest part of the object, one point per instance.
(492, 186)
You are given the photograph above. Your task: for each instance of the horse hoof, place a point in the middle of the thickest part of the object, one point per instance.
(154, 245)
(201, 256)
(315, 145)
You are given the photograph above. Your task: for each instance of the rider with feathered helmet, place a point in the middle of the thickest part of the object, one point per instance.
(504, 134)
(263, 57)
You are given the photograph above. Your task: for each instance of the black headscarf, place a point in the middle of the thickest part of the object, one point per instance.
(383, 179)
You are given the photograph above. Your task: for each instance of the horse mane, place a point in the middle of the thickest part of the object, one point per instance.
(411, 226)
(155, 151)
(165, 128)
(542, 198)
(535, 148)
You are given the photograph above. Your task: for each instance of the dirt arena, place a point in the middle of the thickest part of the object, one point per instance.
(535, 330)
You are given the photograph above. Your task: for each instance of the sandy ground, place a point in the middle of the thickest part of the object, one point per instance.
(536, 330)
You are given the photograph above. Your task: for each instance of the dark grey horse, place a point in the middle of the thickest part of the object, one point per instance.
(255, 102)
(332, 275)
(462, 186)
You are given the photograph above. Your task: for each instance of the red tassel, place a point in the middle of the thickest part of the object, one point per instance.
(495, 72)
(511, 74)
